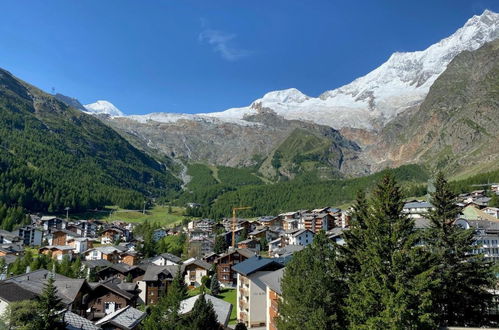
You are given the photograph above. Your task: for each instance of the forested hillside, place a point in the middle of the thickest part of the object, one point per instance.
(218, 199)
(53, 156)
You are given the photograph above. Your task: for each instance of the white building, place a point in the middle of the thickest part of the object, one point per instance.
(417, 209)
(302, 237)
(251, 291)
(166, 259)
(493, 211)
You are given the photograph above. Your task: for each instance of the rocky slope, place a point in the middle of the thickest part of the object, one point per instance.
(231, 144)
(455, 128)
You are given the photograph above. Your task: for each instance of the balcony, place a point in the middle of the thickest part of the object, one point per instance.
(244, 292)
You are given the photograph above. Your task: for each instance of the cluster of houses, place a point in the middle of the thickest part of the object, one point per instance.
(119, 279)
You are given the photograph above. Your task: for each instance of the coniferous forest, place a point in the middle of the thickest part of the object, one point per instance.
(389, 275)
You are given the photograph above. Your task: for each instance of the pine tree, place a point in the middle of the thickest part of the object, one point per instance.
(391, 287)
(220, 244)
(203, 316)
(215, 285)
(461, 297)
(494, 200)
(312, 289)
(164, 315)
(49, 306)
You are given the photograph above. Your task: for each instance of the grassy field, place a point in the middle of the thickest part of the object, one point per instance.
(158, 214)
(228, 295)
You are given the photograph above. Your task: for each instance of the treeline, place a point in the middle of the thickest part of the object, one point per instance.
(52, 157)
(303, 194)
(389, 275)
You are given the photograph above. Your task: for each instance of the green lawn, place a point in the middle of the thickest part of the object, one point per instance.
(158, 214)
(228, 295)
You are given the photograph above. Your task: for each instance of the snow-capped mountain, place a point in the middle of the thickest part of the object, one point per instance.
(103, 108)
(399, 83)
(368, 102)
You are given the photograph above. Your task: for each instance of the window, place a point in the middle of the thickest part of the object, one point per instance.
(106, 305)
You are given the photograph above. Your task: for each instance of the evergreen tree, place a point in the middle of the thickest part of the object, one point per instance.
(164, 315)
(203, 316)
(391, 287)
(312, 289)
(220, 244)
(461, 297)
(21, 315)
(215, 285)
(49, 306)
(494, 200)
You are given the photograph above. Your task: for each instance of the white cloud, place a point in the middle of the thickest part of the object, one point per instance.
(220, 41)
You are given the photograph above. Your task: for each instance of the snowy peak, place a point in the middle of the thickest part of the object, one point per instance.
(291, 95)
(104, 108)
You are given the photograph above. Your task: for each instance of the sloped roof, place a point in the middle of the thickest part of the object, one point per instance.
(254, 264)
(153, 271)
(76, 322)
(273, 280)
(221, 307)
(11, 292)
(127, 318)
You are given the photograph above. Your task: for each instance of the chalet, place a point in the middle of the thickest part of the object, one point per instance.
(336, 235)
(155, 282)
(72, 292)
(250, 243)
(286, 251)
(109, 253)
(275, 244)
(211, 257)
(251, 291)
(120, 271)
(263, 232)
(166, 259)
(272, 282)
(10, 250)
(477, 193)
(127, 318)
(58, 252)
(111, 235)
(12, 292)
(316, 222)
(62, 237)
(270, 221)
(6, 237)
(194, 271)
(107, 297)
(299, 237)
(224, 264)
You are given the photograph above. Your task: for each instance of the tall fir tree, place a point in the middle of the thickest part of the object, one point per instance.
(392, 284)
(312, 289)
(164, 315)
(203, 316)
(461, 297)
(215, 285)
(49, 308)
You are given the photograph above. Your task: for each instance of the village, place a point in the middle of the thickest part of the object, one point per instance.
(243, 258)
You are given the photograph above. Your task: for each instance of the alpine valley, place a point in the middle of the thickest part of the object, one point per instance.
(434, 107)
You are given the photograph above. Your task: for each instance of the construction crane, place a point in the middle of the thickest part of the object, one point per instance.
(234, 222)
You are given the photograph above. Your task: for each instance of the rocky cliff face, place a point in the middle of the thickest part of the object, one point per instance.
(455, 128)
(232, 144)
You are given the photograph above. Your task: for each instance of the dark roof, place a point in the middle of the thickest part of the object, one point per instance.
(197, 262)
(67, 288)
(11, 292)
(255, 264)
(126, 318)
(273, 280)
(112, 285)
(76, 322)
(96, 263)
(171, 257)
(153, 271)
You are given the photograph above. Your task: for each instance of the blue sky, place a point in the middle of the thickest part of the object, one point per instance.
(201, 56)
